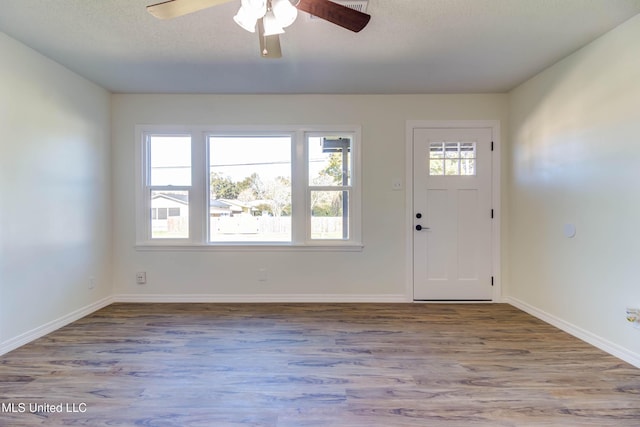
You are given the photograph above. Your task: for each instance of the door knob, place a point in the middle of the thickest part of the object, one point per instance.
(420, 228)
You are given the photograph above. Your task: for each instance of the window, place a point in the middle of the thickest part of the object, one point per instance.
(329, 186)
(250, 188)
(235, 187)
(167, 185)
(452, 158)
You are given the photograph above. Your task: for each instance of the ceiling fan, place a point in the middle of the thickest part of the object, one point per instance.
(269, 16)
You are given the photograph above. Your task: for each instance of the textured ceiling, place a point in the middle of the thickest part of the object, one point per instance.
(409, 46)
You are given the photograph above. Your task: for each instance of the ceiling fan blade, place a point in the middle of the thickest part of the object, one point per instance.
(333, 12)
(174, 8)
(269, 45)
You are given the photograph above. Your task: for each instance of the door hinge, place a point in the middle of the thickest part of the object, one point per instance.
(491, 145)
(491, 280)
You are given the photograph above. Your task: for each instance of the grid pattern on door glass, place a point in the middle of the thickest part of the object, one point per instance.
(452, 158)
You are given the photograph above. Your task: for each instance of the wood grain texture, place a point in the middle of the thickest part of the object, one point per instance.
(312, 365)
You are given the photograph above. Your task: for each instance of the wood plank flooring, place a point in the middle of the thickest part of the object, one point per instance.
(313, 365)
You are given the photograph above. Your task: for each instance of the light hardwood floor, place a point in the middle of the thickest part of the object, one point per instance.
(311, 365)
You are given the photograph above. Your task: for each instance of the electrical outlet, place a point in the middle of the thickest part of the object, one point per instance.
(633, 317)
(141, 277)
(262, 275)
(92, 282)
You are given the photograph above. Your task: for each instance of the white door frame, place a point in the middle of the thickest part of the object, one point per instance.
(494, 125)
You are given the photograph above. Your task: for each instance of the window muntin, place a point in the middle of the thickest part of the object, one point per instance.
(298, 221)
(452, 158)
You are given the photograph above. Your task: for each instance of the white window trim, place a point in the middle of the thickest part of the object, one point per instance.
(198, 198)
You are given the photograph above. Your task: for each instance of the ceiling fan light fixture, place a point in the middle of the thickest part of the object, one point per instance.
(271, 24)
(256, 7)
(249, 13)
(246, 20)
(269, 17)
(284, 11)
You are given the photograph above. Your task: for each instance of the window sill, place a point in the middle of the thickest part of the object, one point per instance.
(243, 247)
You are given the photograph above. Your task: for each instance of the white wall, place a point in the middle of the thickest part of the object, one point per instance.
(376, 273)
(55, 213)
(575, 135)
(572, 157)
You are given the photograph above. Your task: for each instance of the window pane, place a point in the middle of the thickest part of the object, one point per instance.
(329, 161)
(436, 150)
(452, 150)
(468, 150)
(452, 158)
(436, 167)
(250, 189)
(163, 224)
(468, 167)
(170, 159)
(329, 215)
(451, 167)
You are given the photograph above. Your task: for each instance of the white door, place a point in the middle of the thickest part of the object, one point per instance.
(452, 214)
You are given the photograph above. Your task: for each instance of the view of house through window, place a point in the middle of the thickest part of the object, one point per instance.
(290, 186)
(250, 188)
(169, 181)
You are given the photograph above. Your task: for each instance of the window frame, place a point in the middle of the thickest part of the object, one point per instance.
(349, 188)
(145, 189)
(248, 134)
(199, 192)
(458, 159)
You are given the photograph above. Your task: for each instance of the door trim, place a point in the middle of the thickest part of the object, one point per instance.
(496, 160)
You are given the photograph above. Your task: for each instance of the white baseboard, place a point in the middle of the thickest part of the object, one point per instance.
(40, 331)
(589, 337)
(257, 298)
